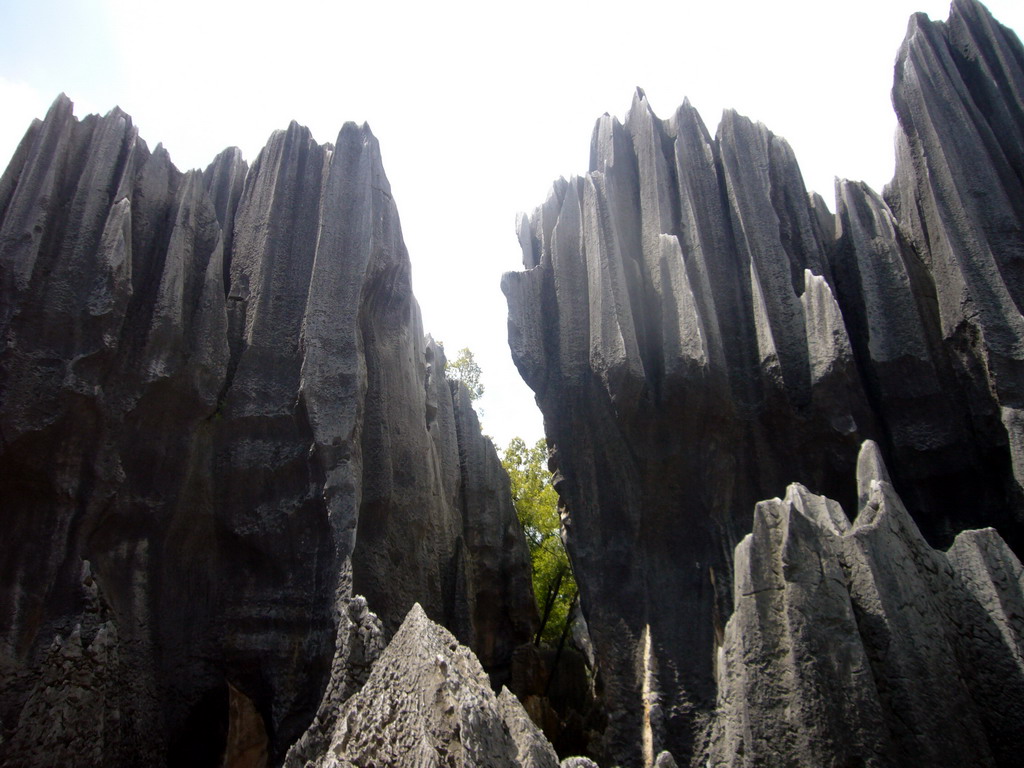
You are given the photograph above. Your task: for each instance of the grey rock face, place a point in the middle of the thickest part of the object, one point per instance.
(700, 332)
(429, 703)
(683, 347)
(861, 645)
(212, 385)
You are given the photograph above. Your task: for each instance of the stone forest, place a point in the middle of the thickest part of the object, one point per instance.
(249, 521)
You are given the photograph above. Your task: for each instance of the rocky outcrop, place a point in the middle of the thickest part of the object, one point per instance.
(684, 347)
(859, 644)
(215, 388)
(428, 702)
(700, 332)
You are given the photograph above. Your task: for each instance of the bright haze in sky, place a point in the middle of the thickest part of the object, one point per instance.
(478, 106)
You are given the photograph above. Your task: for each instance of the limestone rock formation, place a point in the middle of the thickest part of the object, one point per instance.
(859, 644)
(429, 703)
(215, 388)
(700, 332)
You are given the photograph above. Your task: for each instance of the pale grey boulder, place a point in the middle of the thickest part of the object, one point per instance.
(795, 683)
(532, 747)
(428, 702)
(859, 644)
(995, 577)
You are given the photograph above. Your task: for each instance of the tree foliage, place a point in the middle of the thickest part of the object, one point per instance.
(537, 506)
(464, 368)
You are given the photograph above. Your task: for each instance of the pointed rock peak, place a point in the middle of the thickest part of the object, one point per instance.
(919, 23)
(416, 615)
(230, 155)
(738, 129)
(970, 9)
(640, 101)
(729, 116)
(821, 510)
(870, 467)
(118, 114)
(226, 158)
(811, 281)
(525, 235)
(769, 512)
(641, 107)
(818, 202)
(354, 133)
(61, 109)
(62, 102)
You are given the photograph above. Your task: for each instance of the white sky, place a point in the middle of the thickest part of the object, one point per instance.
(478, 106)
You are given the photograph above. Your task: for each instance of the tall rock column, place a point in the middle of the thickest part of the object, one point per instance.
(700, 332)
(959, 197)
(218, 411)
(677, 324)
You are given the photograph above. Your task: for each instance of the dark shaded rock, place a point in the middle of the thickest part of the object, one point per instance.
(499, 591)
(428, 702)
(246, 745)
(861, 645)
(210, 383)
(699, 333)
(359, 646)
(683, 354)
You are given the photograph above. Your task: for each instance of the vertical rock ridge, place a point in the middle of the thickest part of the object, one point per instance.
(742, 337)
(702, 319)
(214, 387)
(862, 645)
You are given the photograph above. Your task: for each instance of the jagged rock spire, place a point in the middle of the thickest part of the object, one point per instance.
(700, 332)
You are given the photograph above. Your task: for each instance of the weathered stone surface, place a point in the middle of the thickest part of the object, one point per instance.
(712, 352)
(499, 592)
(428, 702)
(215, 387)
(533, 749)
(359, 645)
(699, 333)
(861, 645)
(959, 196)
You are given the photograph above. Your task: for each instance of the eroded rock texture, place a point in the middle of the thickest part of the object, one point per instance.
(215, 388)
(429, 703)
(700, 332)
(859, 644)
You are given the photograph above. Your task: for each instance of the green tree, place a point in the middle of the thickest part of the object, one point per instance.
(537, 507)
(464, 368)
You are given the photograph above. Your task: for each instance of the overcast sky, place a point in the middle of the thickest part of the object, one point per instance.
(478, 106)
